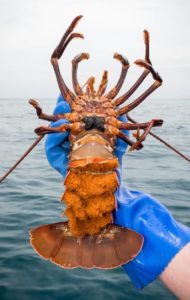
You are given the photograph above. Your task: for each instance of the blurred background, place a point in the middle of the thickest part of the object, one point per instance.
(30, 30)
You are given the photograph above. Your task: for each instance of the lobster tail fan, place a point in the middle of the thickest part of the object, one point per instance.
(112, 247)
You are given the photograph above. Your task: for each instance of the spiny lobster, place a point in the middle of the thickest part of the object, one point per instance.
(89, 238)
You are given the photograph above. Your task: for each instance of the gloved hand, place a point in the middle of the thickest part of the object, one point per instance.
(163, 236)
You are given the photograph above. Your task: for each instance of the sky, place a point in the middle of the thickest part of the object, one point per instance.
(30, 31)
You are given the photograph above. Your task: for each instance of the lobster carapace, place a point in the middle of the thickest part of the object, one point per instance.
(90, 238)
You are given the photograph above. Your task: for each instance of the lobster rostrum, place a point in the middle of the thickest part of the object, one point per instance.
(90, 238)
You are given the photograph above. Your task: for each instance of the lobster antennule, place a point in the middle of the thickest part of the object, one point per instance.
(69, 39)
(57, 53)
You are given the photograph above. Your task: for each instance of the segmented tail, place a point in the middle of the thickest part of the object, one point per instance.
(88, 239)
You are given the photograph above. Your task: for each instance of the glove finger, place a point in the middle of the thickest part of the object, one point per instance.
(55, 139)
(62, 107)
(60, 99)
(57, 158)
(57, 148)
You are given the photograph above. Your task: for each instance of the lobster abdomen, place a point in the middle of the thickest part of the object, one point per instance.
(89, 197)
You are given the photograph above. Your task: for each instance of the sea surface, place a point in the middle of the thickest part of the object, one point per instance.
(30, 197)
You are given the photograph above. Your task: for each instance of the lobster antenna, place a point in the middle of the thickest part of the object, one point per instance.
(21, 158)
(162, 141)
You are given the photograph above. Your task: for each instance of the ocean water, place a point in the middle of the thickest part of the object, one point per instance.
(30, 196)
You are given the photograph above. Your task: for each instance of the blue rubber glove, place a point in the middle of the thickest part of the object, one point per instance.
(57, 145)
(163, 236)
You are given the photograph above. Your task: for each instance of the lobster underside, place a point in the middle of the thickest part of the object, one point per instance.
(90, 238)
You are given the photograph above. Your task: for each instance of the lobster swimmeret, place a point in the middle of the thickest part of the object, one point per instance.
(90, 238)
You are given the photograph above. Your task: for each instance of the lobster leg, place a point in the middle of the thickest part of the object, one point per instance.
(125, 66)
(138, 145)
(129, 126)
(90, 86)
(41, 130)
(40, 113)
(126, 139)
(75, 127)
(146, 132)
(103, 84)
(75, 61)
(72, 117)
(67, 37)
(113, 131)
(124, 97)
(141, 98)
